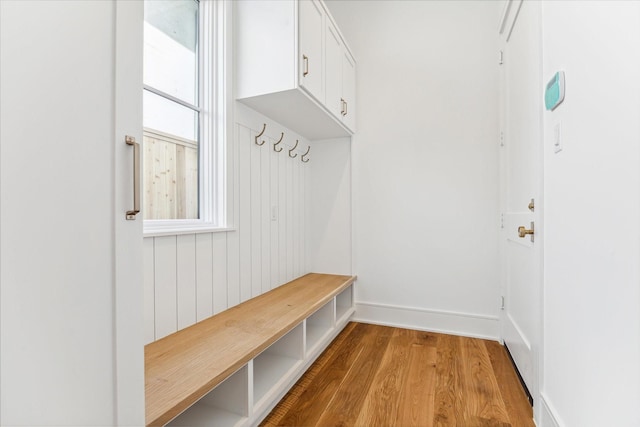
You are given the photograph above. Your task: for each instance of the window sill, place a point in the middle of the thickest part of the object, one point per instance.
(175, 228)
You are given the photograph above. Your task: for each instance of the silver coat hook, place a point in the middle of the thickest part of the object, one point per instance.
(293, 149)
(264, 126)
(279, 141)
(302, 157)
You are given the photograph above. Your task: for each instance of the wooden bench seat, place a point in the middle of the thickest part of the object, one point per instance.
(182, 367)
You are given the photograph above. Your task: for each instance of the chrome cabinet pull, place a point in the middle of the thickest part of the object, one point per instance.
(130, 140)
(342, 106)
(305, 58)
(346, 108)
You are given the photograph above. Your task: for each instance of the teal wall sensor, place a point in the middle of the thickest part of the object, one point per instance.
(554, 94)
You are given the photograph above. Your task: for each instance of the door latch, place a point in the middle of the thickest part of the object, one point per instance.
(522, 231)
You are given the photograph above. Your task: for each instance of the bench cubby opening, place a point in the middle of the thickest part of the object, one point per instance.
(225, 405)
(277, 364)
(344, 304)
(318, 326)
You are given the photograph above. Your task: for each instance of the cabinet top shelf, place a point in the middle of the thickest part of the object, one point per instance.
(184, 366)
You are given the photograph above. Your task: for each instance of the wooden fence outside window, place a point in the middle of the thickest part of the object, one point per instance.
(170, 176)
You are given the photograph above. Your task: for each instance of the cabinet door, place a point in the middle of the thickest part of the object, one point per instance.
(349, 90)
(310, 29)
(333, 71)
(71, 296)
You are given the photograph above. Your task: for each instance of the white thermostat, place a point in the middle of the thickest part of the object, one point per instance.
(554, 93)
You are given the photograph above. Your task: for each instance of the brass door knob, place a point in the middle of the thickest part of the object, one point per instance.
(522, 231)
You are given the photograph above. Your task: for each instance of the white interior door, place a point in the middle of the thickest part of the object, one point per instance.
(521, 161)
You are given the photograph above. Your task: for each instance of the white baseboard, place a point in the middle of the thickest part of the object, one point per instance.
(447, 322)
(548, 417)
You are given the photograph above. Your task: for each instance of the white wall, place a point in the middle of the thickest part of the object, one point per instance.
(330, 207)
(592, 211)
(190, 277)
(425, 162)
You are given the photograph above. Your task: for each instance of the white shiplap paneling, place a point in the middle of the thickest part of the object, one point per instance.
(289, 224)
(283, 161)
(186, 279)
(189, 277)
(265, 216)
(295, 211)
(255, 212)
(224, 284)
(165, 283)
(244, 215)
(274, 248)
(204, 275)
(233, 239)
(149, 291)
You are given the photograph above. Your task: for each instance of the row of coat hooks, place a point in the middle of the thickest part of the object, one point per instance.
(279, 149)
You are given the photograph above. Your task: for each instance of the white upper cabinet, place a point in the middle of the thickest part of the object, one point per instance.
(340, 69)
(290, 66)
(349, 89)
(310, 70)
(333, 70)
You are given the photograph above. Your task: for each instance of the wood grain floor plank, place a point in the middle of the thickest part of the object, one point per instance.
(344, 408)
(416, 401)
(481, 391)
(513, 395)
(312, 403)
(449, 409)
(380, 406)
(306, 383)
(484, 422)
(318, 395)
(380, 376)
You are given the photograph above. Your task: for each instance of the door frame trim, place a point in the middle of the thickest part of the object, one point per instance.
(510, 15)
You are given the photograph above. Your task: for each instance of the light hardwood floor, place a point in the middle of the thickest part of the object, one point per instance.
(381, 376)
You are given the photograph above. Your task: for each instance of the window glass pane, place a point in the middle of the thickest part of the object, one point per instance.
(169, 117)
(171, 47)
(171, 165)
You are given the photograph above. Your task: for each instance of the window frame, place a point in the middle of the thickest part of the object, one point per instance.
(214, 117)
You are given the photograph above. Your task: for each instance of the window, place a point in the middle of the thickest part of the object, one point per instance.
(183, 118)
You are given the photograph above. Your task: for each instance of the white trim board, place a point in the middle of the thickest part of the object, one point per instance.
(447, 322)
(547, 414)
